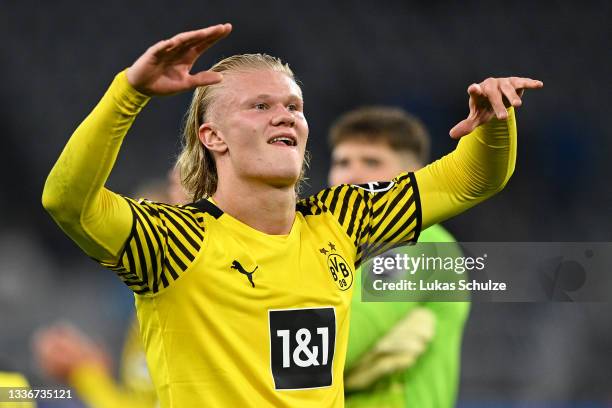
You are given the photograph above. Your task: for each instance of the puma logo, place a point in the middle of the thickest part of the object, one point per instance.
(236, 265)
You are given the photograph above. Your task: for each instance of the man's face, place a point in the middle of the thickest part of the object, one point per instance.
(259, 116)
(358, 161)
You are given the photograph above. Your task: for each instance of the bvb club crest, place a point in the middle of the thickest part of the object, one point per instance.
(339, 269)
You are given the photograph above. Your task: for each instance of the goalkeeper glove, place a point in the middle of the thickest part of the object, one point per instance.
(398, 350)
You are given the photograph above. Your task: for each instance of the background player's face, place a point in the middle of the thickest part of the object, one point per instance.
(360, 161)
(253, 110)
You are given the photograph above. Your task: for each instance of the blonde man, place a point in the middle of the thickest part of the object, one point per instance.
(243, 296)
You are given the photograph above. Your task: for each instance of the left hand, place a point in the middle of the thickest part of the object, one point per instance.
(397, 351)
(490, 98)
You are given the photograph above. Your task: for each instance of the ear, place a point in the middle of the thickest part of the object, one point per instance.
(212, 138)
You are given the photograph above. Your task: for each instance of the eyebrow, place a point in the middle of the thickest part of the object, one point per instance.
(268, 96)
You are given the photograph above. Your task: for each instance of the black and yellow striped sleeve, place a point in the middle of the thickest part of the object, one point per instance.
(163, 242)
(380, 216)
(376, 216)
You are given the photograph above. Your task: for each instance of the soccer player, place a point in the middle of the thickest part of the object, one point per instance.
(422, 367)
(243, 296)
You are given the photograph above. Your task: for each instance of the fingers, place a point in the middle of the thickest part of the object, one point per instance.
(216, 31)
(520, 84)
(496, 89)
(475, 90)
(465, 127)
(203, 38)
(525, 83)
(164, 69)
(491, 88)
(199, 39)
(487, 98)
(510, 93)
(203, 46)
(204, 78)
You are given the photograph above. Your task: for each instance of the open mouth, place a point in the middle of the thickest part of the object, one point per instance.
(283, 140)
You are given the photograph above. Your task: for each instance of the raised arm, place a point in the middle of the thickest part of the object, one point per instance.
(484, 159)
(98, 220)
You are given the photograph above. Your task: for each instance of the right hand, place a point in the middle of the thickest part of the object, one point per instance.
(164, 69)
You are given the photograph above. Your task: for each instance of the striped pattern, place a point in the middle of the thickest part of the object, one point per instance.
(165, 239)
(163, 243)
(376, 221)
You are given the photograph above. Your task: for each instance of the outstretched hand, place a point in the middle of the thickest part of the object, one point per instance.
(164, 69)
(490, 98)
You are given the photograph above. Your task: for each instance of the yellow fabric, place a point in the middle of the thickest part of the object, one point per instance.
(97, 389)
(14, 380)
(133, 370)
(89, 213)
(206, 330)
(479, 167)
(219, 303)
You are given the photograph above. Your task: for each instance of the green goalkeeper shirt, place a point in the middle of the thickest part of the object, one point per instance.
(433, 380)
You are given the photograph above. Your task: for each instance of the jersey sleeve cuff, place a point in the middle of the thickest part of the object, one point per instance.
(127, 99)
(495, 132)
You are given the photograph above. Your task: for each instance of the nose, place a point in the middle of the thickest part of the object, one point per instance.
(283, 117)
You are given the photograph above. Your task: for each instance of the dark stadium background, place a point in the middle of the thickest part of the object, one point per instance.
(57, 59)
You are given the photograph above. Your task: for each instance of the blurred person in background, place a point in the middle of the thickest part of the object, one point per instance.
(227, 338)
(69, 356)
(401, 354)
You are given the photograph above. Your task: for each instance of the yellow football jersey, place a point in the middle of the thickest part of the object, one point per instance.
(133, 369)
(231, 316)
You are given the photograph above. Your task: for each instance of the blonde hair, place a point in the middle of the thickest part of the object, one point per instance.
(196, 164)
